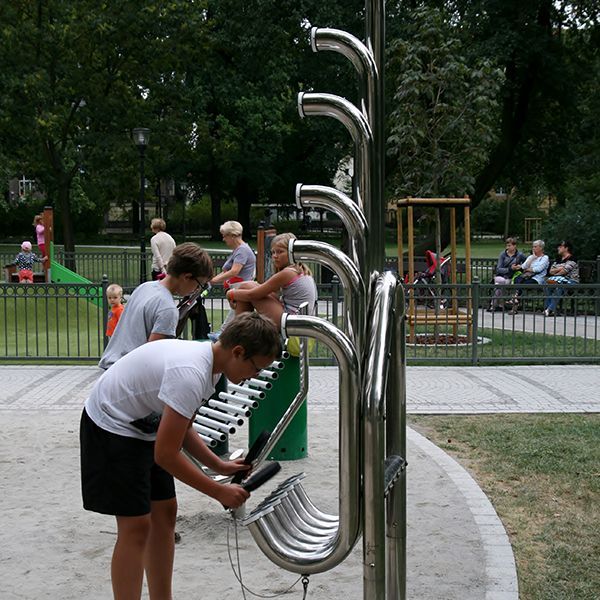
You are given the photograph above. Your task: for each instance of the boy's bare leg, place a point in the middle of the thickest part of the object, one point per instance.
(127, 567)
(160, 549)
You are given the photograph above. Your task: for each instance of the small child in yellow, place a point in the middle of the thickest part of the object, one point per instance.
(114, 295)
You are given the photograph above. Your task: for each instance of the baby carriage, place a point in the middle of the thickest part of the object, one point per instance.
(426, 291)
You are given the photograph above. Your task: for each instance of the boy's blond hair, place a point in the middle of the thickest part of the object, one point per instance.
(114, 288)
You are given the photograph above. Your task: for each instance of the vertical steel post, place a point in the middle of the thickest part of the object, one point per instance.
(396, 445)
(143, 275)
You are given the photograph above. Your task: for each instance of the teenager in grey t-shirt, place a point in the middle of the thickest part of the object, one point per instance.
(150, 310)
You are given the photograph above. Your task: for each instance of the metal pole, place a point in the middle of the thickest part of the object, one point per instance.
(142, 216)
(183, 212)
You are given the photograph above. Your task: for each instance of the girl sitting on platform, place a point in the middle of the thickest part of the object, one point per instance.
(290, 286)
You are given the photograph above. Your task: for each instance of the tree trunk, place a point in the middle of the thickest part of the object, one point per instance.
(215, 205)
(64, 205)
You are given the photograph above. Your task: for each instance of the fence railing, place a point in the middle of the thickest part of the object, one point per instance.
(449, 323)
(123, 266)
(456, 323)
(54, 322)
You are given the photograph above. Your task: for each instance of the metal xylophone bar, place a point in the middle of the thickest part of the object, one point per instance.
(220, 418)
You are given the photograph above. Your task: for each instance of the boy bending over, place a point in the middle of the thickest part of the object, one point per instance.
(134, 425)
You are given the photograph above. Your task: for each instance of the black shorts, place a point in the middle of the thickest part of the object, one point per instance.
(118, 474)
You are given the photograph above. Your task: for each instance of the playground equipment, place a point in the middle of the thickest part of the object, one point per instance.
(445, 310)
(533, 229)
(287, 526)
(370, 352)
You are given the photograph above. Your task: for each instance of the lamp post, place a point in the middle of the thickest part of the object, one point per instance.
(141, 135)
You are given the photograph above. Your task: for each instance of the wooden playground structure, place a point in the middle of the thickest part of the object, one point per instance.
(450, 314)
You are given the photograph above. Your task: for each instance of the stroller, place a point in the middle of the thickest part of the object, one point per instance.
(424, 282)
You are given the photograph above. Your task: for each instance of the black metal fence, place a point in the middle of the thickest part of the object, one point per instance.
(122, 266)
(457, 324)
(445, 324)
(54, 322)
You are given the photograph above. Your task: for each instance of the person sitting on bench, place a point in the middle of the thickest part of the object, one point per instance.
(285, 291)
(533, 271)
(564, 271)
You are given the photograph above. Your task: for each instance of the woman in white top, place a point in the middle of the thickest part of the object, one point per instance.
(162, 245)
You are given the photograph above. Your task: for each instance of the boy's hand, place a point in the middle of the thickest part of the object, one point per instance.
(232, 495)
(233, 466)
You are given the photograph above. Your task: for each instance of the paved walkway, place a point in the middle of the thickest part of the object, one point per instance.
(584, 326)
(457, 546)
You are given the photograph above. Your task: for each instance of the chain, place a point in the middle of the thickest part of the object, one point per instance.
(305, 586)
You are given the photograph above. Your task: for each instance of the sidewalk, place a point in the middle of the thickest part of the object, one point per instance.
(457, 547)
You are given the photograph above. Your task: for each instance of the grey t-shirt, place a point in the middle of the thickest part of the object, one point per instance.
(242, 255)
(150, 309)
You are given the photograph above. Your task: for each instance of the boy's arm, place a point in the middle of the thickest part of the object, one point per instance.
(170, 438)
(194, 444)
(159, 336)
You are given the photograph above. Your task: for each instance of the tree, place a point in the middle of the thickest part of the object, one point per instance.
(442, 111)
(72, 88)
(544, 73)
(257, 60)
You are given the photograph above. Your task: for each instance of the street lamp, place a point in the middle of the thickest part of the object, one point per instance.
(141, 135)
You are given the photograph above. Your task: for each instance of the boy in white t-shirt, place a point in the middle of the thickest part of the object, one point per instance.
(134, 426)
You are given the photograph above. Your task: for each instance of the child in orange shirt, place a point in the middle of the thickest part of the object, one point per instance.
(114, 295)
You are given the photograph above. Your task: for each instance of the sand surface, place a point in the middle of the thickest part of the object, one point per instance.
(51, 548)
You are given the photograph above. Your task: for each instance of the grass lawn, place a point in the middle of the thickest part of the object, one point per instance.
(542, 474)
(53, 325)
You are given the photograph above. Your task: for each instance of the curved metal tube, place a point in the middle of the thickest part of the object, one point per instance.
(342, 42)
(293, 500)
(296, 526)
(312, 509)
(330, 105)
(312, 559)
(378, 341)
(346, 270)
(320, 196)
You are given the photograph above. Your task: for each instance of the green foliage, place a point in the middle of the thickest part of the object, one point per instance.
(579, 222)
(490, 214)
(442, 111)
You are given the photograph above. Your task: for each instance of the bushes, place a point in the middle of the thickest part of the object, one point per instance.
(579, 222)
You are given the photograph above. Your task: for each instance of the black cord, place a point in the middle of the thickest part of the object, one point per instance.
(238, 573)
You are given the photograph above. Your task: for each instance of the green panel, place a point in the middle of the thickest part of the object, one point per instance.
(60, 274)
(292, 445)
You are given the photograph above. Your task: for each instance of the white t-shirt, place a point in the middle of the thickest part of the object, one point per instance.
(130, 397)
(162, 245)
